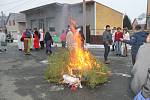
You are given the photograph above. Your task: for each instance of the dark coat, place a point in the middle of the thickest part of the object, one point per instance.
(136, 40)
(107, 37)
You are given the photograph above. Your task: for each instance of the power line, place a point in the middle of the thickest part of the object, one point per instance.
(12, 2)
(16, 6)
(24, 3)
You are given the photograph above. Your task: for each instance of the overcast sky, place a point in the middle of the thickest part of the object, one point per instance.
(133, 8)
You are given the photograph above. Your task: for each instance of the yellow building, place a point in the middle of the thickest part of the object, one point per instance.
(106, 15)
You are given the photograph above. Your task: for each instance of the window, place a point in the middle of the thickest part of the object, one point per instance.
(9, 23)
(50, 24)
(52, 29)
(41, 24)
(14, 22)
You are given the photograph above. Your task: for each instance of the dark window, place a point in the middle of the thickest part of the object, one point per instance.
(14, 22)
(41, 24)
(9, 23)
(52, 29)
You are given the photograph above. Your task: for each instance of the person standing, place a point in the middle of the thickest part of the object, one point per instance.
(118, 35)
(36, 40)
(140, 69)
(124, 46)
(41, 38)
(63, 38)
(3, 42)
(113, 38)
(136, 40)
(26, 39)
(49, 41)
(20, 41)
(31, 39)
(107, 40)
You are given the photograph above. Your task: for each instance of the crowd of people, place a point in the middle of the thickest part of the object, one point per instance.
(34, 39)
(114, 38)
(140, 46)
(30, 39)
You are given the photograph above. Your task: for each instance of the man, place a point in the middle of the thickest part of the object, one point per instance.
(3, 42)
(26, 38)
(140, 71)
(107, 40)
(136, 40)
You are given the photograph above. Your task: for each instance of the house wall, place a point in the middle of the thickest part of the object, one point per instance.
(107, 16)
(76, 11)
(12, 27)
(52, 16)
(58, 16)
(22, 26)
(13, 24)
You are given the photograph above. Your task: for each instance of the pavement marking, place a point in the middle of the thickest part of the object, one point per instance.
(122, 74)
(44, 61)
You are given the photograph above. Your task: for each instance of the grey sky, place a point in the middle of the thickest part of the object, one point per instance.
(133, 8)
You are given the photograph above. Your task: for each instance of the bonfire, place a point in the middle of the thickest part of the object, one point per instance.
(77, 64)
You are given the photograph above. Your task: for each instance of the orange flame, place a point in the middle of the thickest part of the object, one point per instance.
(80, 59)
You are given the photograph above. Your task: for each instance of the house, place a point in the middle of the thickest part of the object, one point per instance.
(55, 17)
(2, 22)
(16, 22)
(148, 14)
(141, 22)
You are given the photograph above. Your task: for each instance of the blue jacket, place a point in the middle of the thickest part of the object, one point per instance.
(136, 40)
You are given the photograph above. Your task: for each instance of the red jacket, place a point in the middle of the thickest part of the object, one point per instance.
(118, 35)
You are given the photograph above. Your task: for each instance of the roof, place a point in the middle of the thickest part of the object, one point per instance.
(19, 17)
(110, 8)
(41, 7)
(61, 4)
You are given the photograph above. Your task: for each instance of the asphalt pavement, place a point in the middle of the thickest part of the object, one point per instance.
(22, 78)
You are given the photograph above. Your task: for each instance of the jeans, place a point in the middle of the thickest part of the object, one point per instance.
(107, 50)
(118, 47)
(133, 58)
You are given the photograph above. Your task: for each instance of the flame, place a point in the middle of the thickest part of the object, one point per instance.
(80, 59)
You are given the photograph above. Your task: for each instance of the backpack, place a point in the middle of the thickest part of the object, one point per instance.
(27, 34)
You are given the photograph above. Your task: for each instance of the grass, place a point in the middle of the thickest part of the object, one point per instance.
(57, 66)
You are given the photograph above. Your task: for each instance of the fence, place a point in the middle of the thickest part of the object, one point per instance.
(97, 38)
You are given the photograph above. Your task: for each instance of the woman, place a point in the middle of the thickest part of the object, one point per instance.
(36, 40)
(20, 42)
(124, 46)
(63, 38)
(49, 41)
(41, 38)
(141, 67)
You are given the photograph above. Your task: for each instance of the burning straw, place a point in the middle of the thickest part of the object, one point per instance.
(75, 64)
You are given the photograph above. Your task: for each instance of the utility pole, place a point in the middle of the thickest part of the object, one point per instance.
(2, 20)
(147, 15)
(84, 19)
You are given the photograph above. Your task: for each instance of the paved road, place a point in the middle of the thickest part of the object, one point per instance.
(22, 78)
